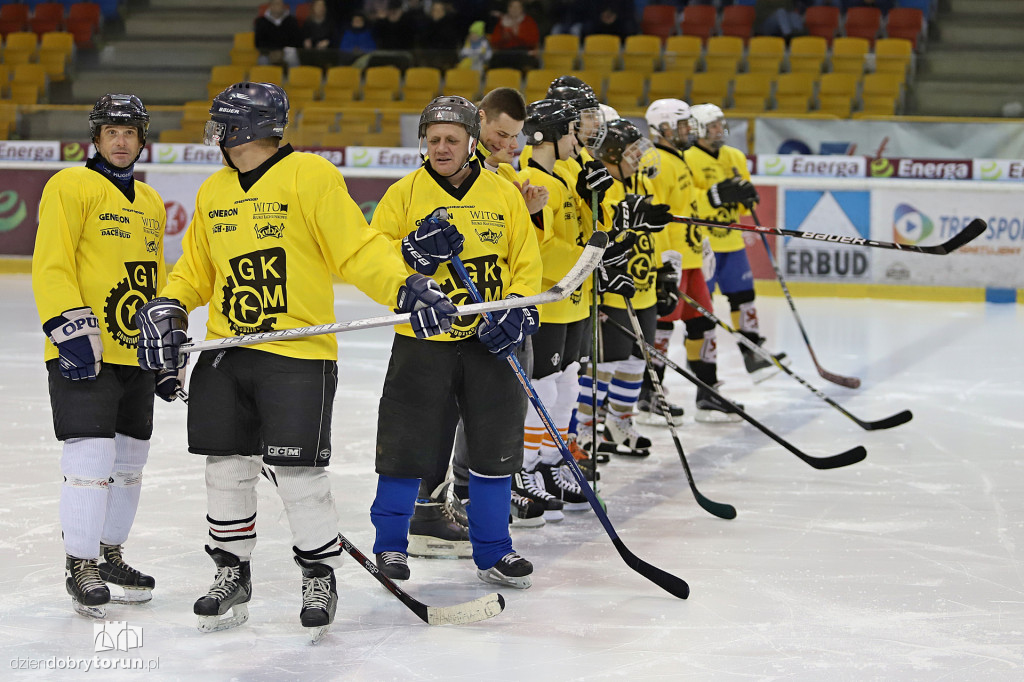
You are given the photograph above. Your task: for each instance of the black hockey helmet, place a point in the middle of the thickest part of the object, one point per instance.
(573, 90)
(548, 120)
(450, 109)
(119, 110)
(623, 141)
(246, 111)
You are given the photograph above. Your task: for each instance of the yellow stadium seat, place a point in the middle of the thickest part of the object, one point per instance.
(793, 91)
(537, 83)
(641, 53)
(307, 77)
(244, 40)
(595, 78)
(59, 41)
(24, 93)
(358, 119)
(384, 138)
(893, 55)
(750, 91)
(708, 87)
(765, 54)
(625, 89)
(880, 92)
(341, 84)
(245, 57)
(848, 54)
(19, 47)
(30, 75)
(344, 138)
(667, 85)
(807, 54)
(601, 52)
(176, 136)
(836, 92)
(682, 53)
(462, 82)
(319, 117)
(502, 78)
(222, 76)
(560, 51)
(381, 83)
(723, 54)
(422, 84)
(267, 73)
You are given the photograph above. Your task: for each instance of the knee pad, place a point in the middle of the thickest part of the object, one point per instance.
(88, 462)
(232, 472)
(303, 485)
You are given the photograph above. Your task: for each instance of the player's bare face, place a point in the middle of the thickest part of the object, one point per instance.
(119, 145)
(569, 145)
(716, 134)
(499, 135)
(447, 147)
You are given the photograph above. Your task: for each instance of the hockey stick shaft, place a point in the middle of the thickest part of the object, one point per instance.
(595, 346)
(719, 509)
(674, 585)
(586, 263)
(848, 382)
(479, 609)
(843, 459)
(887, 423)
(973, 230)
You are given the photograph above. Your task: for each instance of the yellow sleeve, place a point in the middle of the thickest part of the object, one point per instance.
(191, 279)
(54, 268)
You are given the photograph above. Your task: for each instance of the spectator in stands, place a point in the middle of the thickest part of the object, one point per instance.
(357, 40)
(569, 16)
(319, 32)
(277, 35)
(611, 20)
(439, 40)
(476, 51)
(516, 30)
(783, 18)
(392, 28)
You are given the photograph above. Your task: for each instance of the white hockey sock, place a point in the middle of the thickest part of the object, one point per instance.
(625, 385)
(86, 464)
(561, 411)
(125, 488)
(547, 391)
(231, 503)
(312, 516)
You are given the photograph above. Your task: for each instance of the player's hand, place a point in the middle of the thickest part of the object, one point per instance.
(431, 311)
(734, 190)
(168, 383)
(76, 333)
(619, 251)
(615, 280)
(162, 323)
(535, 196)
(639, 212)
(508, 328)
(434, 241)
(593, 177)
(667, 289)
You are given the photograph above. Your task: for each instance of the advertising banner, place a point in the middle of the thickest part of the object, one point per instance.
(846, 213)
(19, 209)
(990, 170)
(812, 166)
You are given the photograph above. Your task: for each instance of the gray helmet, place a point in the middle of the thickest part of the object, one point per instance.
(244, 112)
(119, 110)
(450, 109)
(548, 120)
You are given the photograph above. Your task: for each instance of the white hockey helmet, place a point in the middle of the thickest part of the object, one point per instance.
(609, 113)
(669, 112)
(701, 115)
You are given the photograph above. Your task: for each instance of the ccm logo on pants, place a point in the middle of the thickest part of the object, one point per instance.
(281, 451)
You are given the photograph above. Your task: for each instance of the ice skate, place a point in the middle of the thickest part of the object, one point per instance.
(584, 434)
(231, 590)
(511, 570)
(394, 565)
(319, 598)
(559, 481)
(137, 586)
(526, 484)
(622, 438)
(712, 410)
(525, 512)
(435, 530)
(89, 594)
(586, 463)
(758, 367)
(650, 411)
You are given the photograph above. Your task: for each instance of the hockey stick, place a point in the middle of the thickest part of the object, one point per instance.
(674, 585)
(595, 346)
(847, 382)
(972, 231)
(887, 423)
(487, 606)
(588, 260)
(719, 509)
(843, 459)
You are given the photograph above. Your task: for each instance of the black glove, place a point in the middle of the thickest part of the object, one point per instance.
(637, 212)
(593, 177)
(734, 190)
(508, 328)
(619, 251)
(433, 242)
(162, 325)
(667, 289)
(76, 333)
(612, 280)
(431, 309)
(168, 381)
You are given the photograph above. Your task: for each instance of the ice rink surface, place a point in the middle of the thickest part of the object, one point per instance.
(907, 566)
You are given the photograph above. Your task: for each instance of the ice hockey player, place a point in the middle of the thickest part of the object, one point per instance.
(98, 255)
(720, 173)
(268, 232)
(446, 208)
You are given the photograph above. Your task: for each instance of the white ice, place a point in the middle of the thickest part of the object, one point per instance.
(907, 566)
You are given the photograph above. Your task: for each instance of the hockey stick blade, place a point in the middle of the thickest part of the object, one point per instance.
(485, 607)
(974, 229)
(675, 586)
(838, 379)
(887, 423)
(843, 459)
(588, 260)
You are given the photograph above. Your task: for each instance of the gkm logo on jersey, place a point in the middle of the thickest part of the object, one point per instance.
(910, 226)
(130, 294)
(486, 273)
(256, 290)
(640, 264)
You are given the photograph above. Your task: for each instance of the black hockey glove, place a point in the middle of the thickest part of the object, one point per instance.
(508, 328)
(612, 280)
(431, 311)
(734, 190)
(168, 381)
(619, 251)
(667, 289)
(162, 325)
(593, 177)
(434, 241)
(637, 212)
(76, 333)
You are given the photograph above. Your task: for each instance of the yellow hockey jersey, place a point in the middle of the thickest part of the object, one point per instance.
(710, 169)
(645, 260)
(673, 185)
(264, 258)
(96, 248)
(501, 251)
